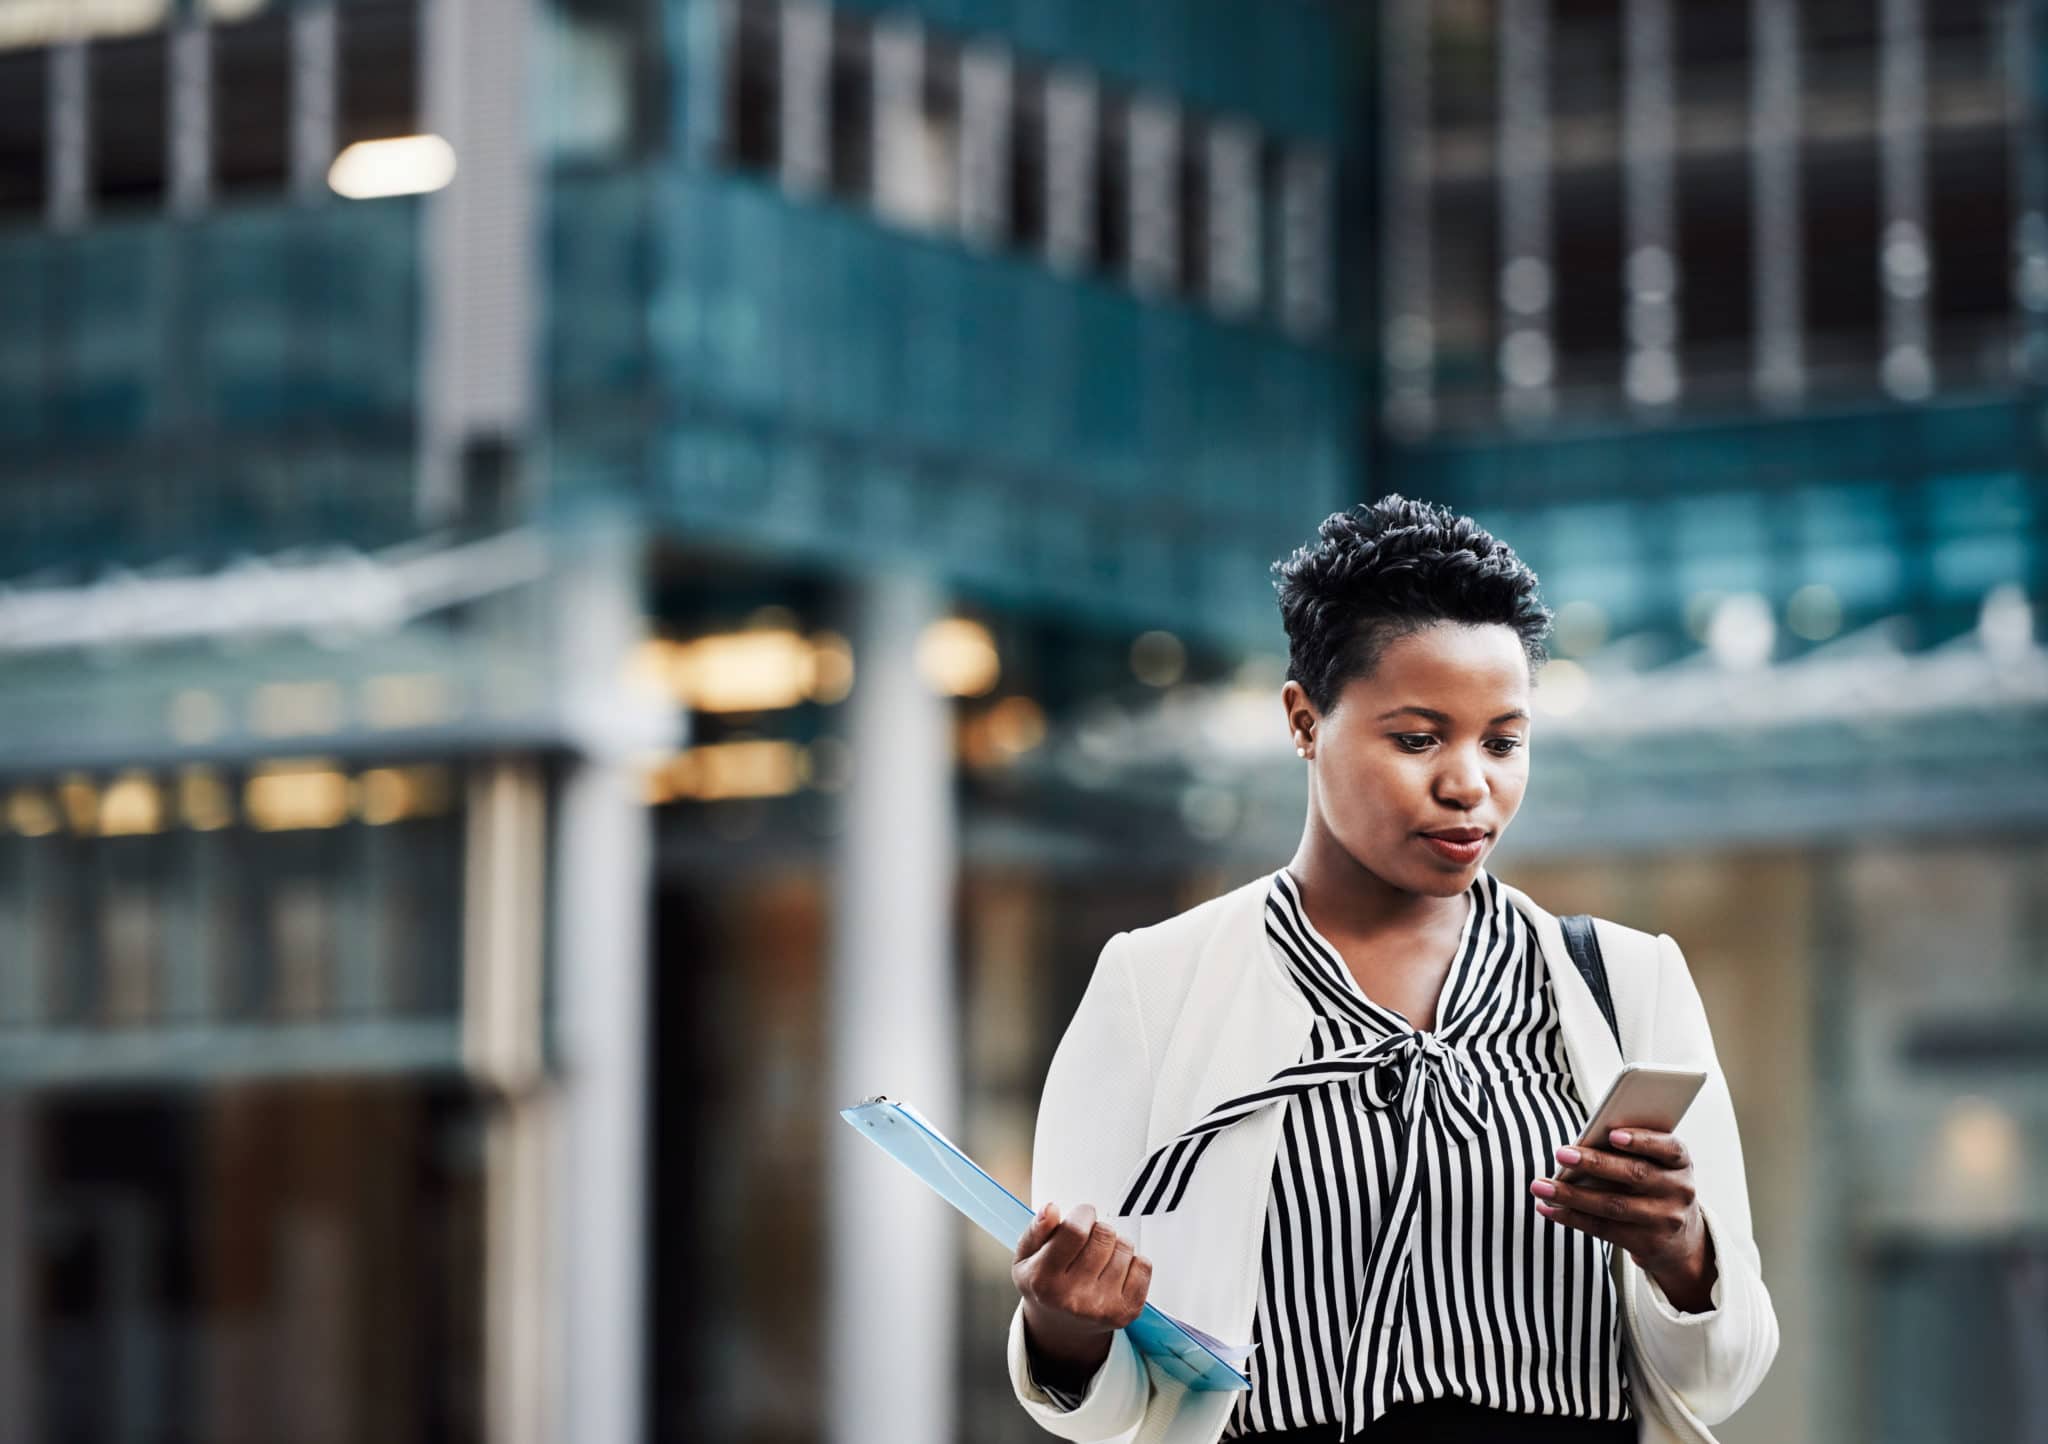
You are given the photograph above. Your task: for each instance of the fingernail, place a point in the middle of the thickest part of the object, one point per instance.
(1546, 1210)
(1620, 1137)
(1543, 1188)
(1567, 1154)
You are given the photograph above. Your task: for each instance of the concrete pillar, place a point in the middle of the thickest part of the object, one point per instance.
(602, 857)
(892, 1245)
(601, 837)
(189, 143)
(313, 97)
(477, 390)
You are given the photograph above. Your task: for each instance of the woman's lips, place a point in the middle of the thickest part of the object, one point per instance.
(1456, 851)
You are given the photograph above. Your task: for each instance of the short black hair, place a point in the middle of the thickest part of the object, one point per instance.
(1386, 570)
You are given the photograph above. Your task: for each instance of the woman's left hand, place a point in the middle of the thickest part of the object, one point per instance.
(1638, 1195)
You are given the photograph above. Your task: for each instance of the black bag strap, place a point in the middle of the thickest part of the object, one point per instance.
(1584, 946)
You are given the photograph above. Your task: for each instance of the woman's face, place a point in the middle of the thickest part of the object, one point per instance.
(1436, 739)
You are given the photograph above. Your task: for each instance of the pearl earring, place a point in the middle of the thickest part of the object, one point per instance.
(1301, 752)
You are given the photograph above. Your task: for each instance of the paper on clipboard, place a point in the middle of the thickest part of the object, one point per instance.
(1183, 1352)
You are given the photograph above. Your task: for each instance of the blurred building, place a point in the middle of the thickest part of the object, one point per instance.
(458, 458)
(581, 585)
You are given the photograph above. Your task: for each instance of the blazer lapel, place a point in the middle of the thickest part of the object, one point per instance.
(1589, 1046)
(1241, 1024)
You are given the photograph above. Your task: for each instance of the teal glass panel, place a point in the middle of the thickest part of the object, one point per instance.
(1591, 552)
(1848, 539)
(110, 332)
(24, 320)
(1968, 566)
(1720, 543)
(246, 346)
(1985, 502)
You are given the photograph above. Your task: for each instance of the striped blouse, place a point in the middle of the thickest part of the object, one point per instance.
(1404, 1259)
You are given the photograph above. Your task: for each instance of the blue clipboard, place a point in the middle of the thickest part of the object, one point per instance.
(1180, 1350)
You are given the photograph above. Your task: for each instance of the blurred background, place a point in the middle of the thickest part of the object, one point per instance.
(585, 582)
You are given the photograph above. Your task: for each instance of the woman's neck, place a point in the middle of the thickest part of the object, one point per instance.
(1345, 899)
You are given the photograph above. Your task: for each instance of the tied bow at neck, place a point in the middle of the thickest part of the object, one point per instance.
(1420, 1073)
(1416, 1074)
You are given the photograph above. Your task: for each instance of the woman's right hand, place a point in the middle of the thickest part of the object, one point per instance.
(1080, 1283)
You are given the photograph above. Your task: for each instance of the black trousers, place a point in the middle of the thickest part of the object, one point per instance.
(1459, 1421)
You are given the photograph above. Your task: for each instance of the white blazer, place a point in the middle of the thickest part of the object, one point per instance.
(1188, 1012)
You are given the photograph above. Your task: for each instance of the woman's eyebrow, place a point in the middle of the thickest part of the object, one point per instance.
(1518, 715)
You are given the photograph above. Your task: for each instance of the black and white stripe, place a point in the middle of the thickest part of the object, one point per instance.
(1403, 1258)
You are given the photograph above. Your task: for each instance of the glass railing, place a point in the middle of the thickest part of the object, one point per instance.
(248, 378)
(720, 294)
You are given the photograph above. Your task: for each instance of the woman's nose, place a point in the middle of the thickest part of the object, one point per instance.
(1462, 781)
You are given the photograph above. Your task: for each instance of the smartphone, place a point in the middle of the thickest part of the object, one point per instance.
(1642, 1095)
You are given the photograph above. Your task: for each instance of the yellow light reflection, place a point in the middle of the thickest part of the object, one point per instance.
(724, 770)
(1158, 659)
(133, 806)
(296, 795)
(392, 794)
(831, 667)
(957, 656)
(746, 671)
(764, 669)
(203, 800)
(80, 800)
(1008, 730)
(30, 813)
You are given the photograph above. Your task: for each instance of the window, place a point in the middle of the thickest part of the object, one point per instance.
(1027, 170)
(252, 105)
(128, 106)
(379, 70)
(1715, 200)
(1112, 187)
(1193, 208)
(853, 109)
(752, 123)
(879, 110)
(24, 132)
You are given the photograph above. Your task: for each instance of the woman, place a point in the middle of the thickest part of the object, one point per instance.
(1327, 1107)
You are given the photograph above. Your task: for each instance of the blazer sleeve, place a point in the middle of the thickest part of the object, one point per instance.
(1090, 1136)
(1714, 1359)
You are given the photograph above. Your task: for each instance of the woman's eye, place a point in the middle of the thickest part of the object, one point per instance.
(1419, 742)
